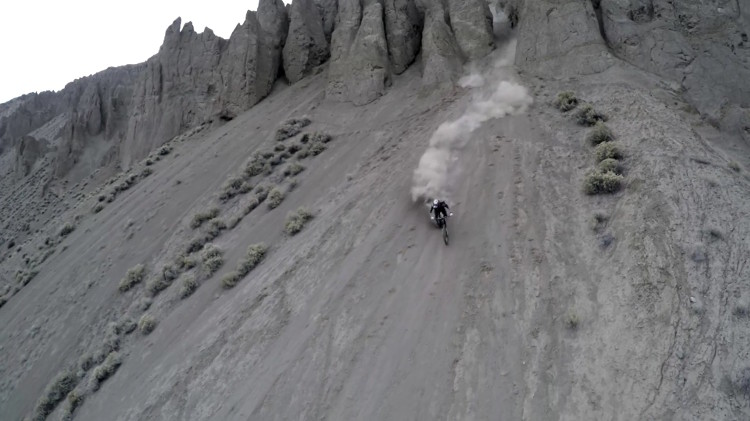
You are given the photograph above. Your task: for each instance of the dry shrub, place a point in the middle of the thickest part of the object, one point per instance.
(599, 133)
(275, 197)
(588, 116)
(291, 128)
(201, 217)
(230, 279)
(188, 287)
(607, 150)
(566, 101)
(55, 391)
(67, 229)
(134, 276)
(597, 182)
(255, 254)
(610, 165)
(105, 370)
(295, 221)
(293, 169)
(147, 324)
(316, 148)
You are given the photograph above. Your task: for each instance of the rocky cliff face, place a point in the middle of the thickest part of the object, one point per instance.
(701, 46)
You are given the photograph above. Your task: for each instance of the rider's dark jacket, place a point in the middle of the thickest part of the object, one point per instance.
(441, 207)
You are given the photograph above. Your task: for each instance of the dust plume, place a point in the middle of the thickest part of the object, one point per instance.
(495, 96)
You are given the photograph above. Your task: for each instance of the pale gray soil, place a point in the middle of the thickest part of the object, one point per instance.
(366, 315)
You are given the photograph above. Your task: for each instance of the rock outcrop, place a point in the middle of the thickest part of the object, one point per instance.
(328, 10)
(347, 25)
(560, 37)
(200, 77)
(471, 21)
(704, 46)
(274, 21)
(306, 46)
(370, 71)
(442, 60)
(403, 30)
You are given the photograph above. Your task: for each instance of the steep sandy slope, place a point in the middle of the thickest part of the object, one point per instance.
(365, 314)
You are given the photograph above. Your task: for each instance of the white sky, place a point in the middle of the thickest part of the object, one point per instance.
(44, 44)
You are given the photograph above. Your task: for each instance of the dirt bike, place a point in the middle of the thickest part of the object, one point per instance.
(443, 225)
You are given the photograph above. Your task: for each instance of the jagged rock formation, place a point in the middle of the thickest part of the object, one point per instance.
(29, 150)
(403, 30)
(441, 55)
(306, 46)
(328, 10)
(199, 77)
(543, 49)
(472, 23)
(347, 24)
(370, 67)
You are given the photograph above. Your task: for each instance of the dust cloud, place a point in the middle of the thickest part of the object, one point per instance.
(495, 95)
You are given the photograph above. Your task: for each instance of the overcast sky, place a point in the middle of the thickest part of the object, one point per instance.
(46, 44)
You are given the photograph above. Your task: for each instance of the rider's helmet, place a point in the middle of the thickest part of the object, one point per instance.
(435, 202)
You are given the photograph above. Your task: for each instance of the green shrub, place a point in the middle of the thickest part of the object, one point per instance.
(566, 101)
(316, 148)
(97, 208)
(293, 169)
(599, 133)
(213, 264)
(72, 402)
(128, 325)
(188, 287)
(165, 150)
(280, 147)
(233, 187)
(55, 391)
(147, 324)
(303, 152)
(275, 197)
(215, 228)
(610, 165)
(185, 262)
(196, 244)
(250, 205)
(261, 192)
(587, 116)
(291, 128)
(23, 277)
(105, 370)
(134, 276)
(572, 320)
(295, 221)
(146, 172)
(255, 167)
(230, 279)
(294, 148)
(212, 259)
(67, 229)
(608, 150)
(316, 137)
(211, 251)
(734, 166)
(598, 182)
(255, 254)
(201, 217)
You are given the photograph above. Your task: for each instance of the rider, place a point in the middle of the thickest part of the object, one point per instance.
(439, 207)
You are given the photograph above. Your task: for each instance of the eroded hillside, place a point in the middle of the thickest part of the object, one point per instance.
(266, 260)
